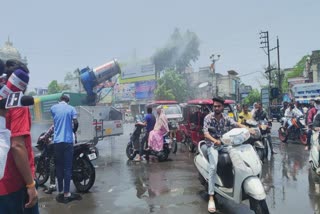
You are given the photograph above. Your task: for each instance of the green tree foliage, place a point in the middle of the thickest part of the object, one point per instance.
(53, 87)
(171, 86)
(179, 51)
(253, 96)
(297, 71)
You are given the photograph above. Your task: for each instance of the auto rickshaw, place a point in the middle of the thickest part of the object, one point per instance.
(196, 110)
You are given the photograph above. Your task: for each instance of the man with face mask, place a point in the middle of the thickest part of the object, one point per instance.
(221, 124)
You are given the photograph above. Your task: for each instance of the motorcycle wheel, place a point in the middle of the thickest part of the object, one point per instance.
(83, 174)
(42, 170)
(260, 153)
(130, 152)
(191, 146)
(283, 135)
(174, 147)
(303, 139)
(164, 155)
(259, 207)
(266, 149)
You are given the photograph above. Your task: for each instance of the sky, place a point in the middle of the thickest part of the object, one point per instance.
(60, 36)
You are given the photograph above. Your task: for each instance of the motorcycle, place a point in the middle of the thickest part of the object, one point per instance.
(132, 148)
(296, 131)
(83, 172)
(314, 153)
(238, 170)
(255, 139)
(265, 130)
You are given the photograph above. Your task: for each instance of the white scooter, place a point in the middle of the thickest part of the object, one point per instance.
(238, 170)
(314, 152)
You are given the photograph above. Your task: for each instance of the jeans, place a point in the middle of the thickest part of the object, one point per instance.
(63, 156)
(270, 142)
(212, 168)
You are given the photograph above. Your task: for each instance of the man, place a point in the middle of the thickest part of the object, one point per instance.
(222, 124)
(17, 186)
(291, 112)
(260, 115)
(244, 115)
(65, 125)
(311, 113)
(149, 122)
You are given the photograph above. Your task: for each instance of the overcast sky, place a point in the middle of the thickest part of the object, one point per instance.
(60, 36)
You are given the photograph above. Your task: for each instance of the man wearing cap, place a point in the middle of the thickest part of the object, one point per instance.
(65, 125)
(18, 178)
(222, 124)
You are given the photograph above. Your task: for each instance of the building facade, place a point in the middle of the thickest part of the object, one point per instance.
(10, 52)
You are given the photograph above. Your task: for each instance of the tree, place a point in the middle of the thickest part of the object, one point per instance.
(31, 93)
(253, 96)
(171, 86)
(296, 72)
(53, 87)
(179, 51)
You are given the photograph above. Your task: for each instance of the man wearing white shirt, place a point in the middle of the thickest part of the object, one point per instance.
(291, 112)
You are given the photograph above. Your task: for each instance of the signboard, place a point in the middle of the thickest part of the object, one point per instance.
(307, 89)
(265, 96)
(137, 70)
(145, 90)
(124, 92)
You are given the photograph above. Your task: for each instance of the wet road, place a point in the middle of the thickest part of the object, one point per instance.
(172, 187)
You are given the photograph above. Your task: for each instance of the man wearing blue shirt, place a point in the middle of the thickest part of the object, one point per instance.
(65, 125)
(149, 122)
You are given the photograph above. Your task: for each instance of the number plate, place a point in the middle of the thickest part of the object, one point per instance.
(92, 156)
(108, 131)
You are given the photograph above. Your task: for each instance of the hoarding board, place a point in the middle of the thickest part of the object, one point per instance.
(124, 92)
(137, 70)
(145, 90)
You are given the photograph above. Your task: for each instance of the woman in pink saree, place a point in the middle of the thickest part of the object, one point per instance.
(155, 140)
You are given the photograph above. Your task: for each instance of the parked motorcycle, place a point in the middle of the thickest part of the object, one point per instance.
(132, 148)
(295, 132)
(238, 170)
(314, 153)
(83, 171)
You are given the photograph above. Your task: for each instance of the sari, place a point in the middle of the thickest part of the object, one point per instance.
(161, 127)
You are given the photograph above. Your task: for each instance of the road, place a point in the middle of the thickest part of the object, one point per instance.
(124, 186)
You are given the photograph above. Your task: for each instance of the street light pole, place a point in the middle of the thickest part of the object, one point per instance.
(213, 69)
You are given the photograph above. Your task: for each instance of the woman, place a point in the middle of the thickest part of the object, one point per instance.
(161, 127)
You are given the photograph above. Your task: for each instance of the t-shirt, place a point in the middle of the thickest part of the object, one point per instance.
(63, 114)
(18, 121)
(151, 121)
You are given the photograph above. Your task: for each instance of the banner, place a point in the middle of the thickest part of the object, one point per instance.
(145, 90)
(124, 92)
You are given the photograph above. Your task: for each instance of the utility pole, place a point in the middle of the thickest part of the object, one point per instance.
(213, 69)
(264, 36)
(279, 71)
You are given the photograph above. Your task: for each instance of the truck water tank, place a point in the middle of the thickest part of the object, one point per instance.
(106, 71)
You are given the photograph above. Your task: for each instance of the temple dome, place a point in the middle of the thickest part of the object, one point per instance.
(10, 52)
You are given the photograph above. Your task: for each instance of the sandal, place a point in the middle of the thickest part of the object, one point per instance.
(211, 206)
